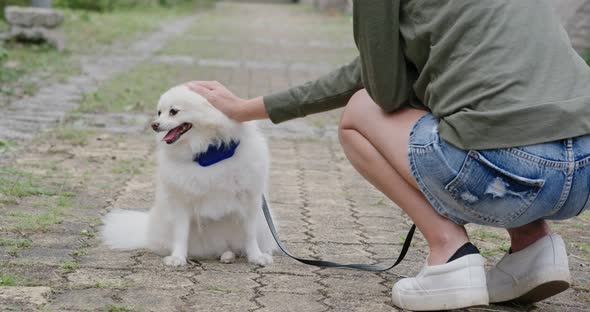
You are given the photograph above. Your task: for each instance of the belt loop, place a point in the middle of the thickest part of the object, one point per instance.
(569, 146)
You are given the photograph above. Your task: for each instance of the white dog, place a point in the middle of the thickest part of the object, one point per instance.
(212, 173)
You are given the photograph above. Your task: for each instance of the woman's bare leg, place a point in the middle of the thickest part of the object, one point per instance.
(376, 144)
(523, 236)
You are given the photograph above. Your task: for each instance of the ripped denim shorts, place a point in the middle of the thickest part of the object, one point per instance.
(506, 187)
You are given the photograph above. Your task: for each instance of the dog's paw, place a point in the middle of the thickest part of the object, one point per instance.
(174, 261)
(261, 259)
(228, 257)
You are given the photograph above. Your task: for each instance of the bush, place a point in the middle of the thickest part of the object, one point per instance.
(109, 5)
(3, 55)
(3, 58)
(91, 5)
(4, 3)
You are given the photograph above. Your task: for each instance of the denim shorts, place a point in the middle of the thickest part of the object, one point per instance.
(506, 187)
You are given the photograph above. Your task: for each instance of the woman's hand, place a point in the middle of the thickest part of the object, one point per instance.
(228, 103)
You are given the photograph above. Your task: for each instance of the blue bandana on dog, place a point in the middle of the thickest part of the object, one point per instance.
(216, 153)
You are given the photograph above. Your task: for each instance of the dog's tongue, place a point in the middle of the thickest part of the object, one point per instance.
(171, 134)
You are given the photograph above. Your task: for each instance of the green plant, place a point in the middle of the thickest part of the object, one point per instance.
(110, 5)
(8, 280)
(117, 308)
(5, 3)
(3, 58)
(3, 55)
(90, 5)
(70, 266)
(17, 183)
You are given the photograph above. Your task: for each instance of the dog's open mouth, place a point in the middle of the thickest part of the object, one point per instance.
(175, 134)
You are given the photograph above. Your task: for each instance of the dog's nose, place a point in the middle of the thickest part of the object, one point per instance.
(155, 126)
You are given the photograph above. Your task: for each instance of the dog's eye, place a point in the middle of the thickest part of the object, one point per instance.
(159, 113)
(173, 112)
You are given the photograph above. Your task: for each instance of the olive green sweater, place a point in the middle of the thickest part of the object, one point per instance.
(497, 73)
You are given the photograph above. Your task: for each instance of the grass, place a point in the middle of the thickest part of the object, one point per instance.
(149, 82)
(18, 184)
(117, 308)
(104, 29)
(239, 42)
(379, 202)
(494, 242)
(15, 245)
(39, 222)
(584, 248)
(70, 266)
(80, 252)
(496, 250)
(56, 208)
(51, 204)
(219, 289)
(20, 242)
(7, 145)
(112, 284)
(8, 280)
(132, 166)
(73, 136)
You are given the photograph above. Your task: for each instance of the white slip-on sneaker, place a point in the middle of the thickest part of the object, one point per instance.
(458, 284)
(533, 274)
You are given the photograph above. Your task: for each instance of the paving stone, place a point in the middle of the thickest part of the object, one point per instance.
(102, 257)
(33, 273)
(231, 281)
(153, 300)
(82, 299)
(345, 302)
(100, 278)
(158, 279)
(220, 300)
(345, 285)
(33, 295)
(288, 302)
(48, 256)
(294, 284)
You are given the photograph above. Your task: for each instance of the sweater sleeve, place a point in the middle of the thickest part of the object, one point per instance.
(328, 92)
(387, 76)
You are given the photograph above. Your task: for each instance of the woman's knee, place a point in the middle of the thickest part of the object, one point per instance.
(354, 110)
(349, 117)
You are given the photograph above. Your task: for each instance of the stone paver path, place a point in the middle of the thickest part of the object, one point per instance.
(55, 190)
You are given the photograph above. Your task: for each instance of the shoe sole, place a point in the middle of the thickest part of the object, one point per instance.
(543, 292)
(445, 300)
(554, 281)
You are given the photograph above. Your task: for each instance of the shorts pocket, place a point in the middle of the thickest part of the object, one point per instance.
(489, 194)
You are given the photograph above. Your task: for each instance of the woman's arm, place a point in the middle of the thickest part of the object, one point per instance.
(328, 92)
(228, 103)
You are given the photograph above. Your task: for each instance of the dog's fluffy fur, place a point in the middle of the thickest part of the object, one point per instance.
(200, 212)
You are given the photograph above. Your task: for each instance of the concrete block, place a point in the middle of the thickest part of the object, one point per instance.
(33, 17)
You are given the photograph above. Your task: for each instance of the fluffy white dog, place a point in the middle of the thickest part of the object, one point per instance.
(212, 173)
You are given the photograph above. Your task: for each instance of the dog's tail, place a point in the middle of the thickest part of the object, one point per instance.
(125, 229)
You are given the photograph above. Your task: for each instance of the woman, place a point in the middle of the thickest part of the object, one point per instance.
(459, 111)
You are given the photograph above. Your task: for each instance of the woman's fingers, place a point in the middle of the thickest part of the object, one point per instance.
(211, 85)
(205, 92)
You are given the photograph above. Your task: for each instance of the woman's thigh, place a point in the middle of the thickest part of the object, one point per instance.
(388, 132)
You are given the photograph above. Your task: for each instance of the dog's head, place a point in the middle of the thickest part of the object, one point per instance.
(186, 117)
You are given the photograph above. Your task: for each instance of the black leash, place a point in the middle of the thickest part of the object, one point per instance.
(329, 264)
